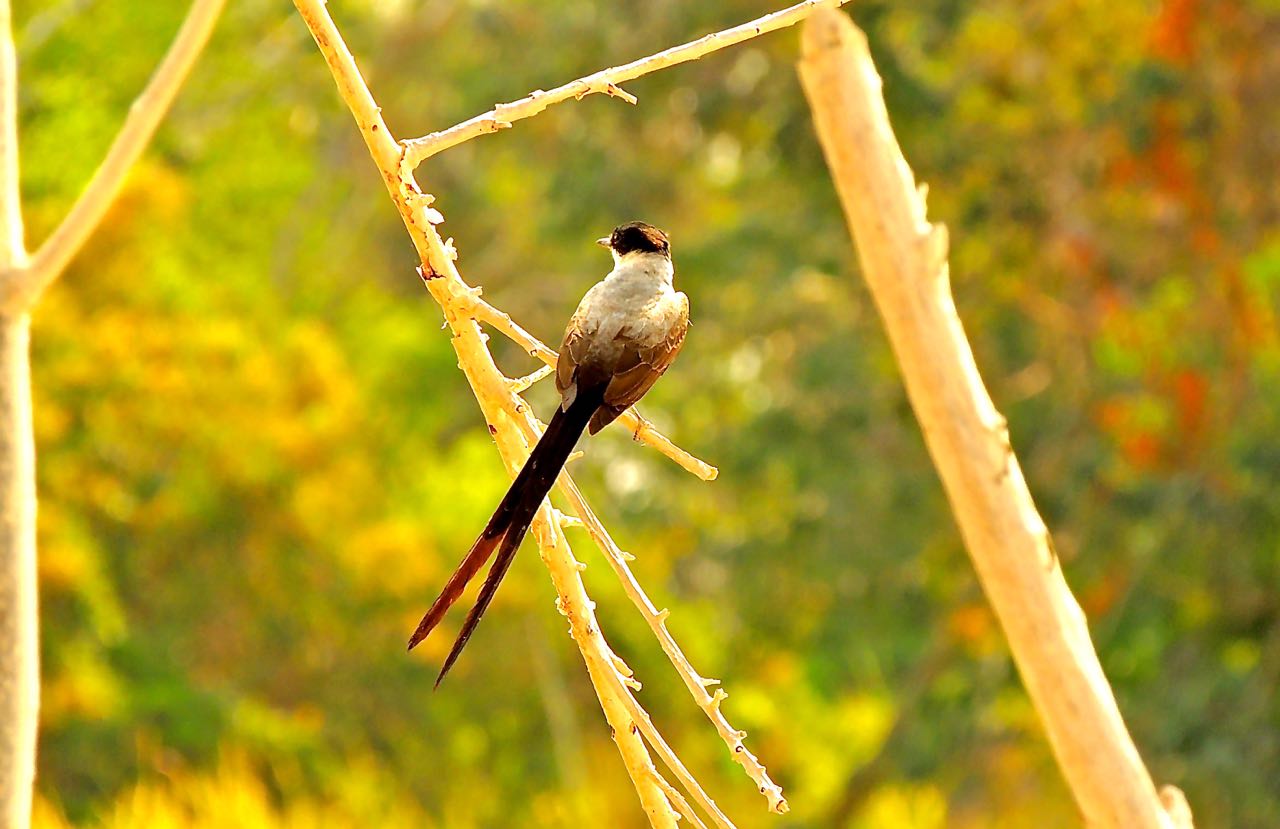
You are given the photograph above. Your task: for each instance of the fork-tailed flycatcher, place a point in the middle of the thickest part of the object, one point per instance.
(626, 331)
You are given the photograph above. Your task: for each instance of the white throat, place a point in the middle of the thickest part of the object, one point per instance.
(642, 265)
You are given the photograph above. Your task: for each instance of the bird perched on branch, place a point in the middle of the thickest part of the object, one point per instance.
(623, 336)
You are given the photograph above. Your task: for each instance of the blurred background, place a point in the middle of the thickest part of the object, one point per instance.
(258, 460)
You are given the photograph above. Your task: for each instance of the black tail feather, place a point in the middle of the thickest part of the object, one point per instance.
(510, 522)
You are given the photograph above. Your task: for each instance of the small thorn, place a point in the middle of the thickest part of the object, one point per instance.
(567, 521)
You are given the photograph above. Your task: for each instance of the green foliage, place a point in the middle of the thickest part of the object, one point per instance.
(258, 460)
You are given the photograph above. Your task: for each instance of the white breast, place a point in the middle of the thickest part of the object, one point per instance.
(635, 302)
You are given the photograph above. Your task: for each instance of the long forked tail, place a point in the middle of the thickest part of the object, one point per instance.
(510, 523)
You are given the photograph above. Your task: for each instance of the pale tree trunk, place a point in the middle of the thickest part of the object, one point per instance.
(19, 640)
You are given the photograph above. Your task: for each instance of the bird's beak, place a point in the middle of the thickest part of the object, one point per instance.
(603, 241)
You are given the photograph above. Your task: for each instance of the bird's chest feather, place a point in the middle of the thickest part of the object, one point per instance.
(636, 307)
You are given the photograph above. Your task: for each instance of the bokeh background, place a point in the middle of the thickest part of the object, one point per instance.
(258, 461)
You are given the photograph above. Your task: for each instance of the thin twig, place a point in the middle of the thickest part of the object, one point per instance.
(22, 288)
(623, 713)
(520, 385)
(682, 806)
(417, 150)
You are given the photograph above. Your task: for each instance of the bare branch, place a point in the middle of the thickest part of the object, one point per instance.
(904, 259)
(682, 806)
(21, 283)
(695, 683)
(522, 384)
(19, 619)
(417, 150)
(618, 676)
(22, 288)
(644, 723)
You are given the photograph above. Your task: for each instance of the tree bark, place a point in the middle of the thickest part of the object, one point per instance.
(19, 639)
(19, 623)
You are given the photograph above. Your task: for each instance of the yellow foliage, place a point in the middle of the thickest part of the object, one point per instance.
(235, 796)
(85, 687)
(905, 807)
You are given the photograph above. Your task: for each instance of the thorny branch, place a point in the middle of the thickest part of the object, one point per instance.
(417, 150)
(657, 620)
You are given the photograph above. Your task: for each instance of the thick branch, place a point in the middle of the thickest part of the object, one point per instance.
(903, 258)
(417, 150)
(19, 617)
(23, 287)
(19, 621)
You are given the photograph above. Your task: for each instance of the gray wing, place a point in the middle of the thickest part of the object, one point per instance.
(573, 351)
(639, 368)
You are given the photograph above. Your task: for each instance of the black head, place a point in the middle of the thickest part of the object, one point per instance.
(637, 236)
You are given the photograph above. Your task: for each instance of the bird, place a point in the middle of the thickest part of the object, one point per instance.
(624, 335)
